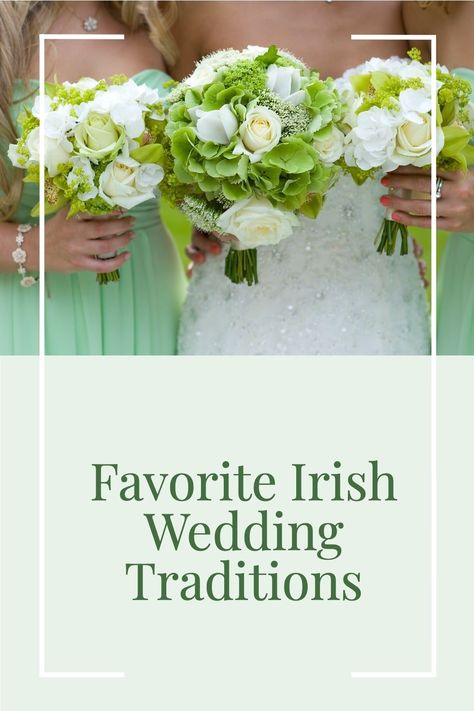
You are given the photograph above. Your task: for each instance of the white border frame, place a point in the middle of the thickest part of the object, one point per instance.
(433, 671)
(41, 391)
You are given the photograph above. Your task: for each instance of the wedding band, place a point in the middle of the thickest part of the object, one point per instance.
(439, 187)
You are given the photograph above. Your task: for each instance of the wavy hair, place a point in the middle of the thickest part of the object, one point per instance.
(20, 25)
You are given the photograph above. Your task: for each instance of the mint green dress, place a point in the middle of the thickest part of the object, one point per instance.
(456, 287)
(138, 315)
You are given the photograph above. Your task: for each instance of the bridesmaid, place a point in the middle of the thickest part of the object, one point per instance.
(453, 24)
(139, 314)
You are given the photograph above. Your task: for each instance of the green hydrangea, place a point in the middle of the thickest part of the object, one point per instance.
(250, 76)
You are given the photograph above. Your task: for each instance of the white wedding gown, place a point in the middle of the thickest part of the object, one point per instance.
(323, 291)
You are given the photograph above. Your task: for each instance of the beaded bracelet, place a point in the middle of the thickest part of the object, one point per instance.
(19, 256)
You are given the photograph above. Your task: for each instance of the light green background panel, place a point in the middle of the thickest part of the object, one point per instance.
(234, 655)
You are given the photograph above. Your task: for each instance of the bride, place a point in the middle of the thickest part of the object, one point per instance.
(325, 290)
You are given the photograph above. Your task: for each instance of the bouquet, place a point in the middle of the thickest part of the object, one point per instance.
(388, 124)
(101, 148)
(252, 139)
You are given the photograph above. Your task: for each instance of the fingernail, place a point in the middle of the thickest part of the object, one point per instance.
(384, 181)
(127, 256)
(216, 248)
(396, 217)
(385, 200)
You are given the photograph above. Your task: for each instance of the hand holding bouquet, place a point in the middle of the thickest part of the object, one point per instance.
(252, 139)
(388, 124)
(101, 147)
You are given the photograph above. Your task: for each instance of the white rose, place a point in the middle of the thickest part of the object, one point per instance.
(255, 222)
(202, 75)
(413, 143)
(13, 155)
(127, 183)
(217, 126)
(286, 83)
(330, 144)
(56, 151)
(148, 176)
(32, 143)
(259, 133)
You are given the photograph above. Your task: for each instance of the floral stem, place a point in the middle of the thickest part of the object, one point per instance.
(387, 236)
(241, 265)
(104, 279)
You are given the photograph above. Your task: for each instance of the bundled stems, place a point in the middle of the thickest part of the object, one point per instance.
(386, 239)
(103, 279)
(241, 265)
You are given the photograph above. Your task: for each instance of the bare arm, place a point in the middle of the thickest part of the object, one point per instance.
(71, 245)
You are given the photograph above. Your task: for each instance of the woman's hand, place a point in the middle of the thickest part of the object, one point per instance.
(202, 244)
(73, 245)
(455, 207)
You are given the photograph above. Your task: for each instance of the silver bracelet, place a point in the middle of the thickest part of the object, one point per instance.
(19, 257)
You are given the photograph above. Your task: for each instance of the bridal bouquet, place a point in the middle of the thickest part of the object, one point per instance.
(101, 148)
(248, 148)
(388, 124)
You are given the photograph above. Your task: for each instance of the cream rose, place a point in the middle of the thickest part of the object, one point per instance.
(330, 144)
(56, 151)
(255, 223)
(97, 136)
(127, 183)
(259, 133)
(413, 142)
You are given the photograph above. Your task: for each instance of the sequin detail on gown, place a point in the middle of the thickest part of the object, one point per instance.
(323, 291)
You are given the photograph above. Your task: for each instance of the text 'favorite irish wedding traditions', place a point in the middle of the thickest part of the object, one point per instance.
(233, 535)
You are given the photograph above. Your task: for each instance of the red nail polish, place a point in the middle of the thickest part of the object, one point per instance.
(385, 200)
(215, 248)
(396, 217)
(384, 181)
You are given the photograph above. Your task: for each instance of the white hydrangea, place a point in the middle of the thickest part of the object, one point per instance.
(371, 143)
(82, 170)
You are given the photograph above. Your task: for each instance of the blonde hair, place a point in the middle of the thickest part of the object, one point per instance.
(20, 25)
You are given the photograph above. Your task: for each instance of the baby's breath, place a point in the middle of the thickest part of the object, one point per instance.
(202, 214)
(294, 119)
